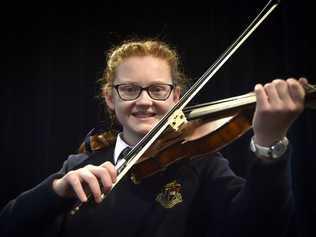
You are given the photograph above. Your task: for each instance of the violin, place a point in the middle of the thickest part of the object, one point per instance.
(208, 127)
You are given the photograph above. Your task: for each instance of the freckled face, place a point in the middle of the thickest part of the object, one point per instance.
(138, 116)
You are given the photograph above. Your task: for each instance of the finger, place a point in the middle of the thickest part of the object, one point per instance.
(76, 185)
(111, 169)
(261, 97)
(303, 81)
(103, 175)
(297, 91)
(272, 93)
(283, 91)
(92, 182)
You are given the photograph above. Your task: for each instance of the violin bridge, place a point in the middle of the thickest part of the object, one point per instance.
(177, 120)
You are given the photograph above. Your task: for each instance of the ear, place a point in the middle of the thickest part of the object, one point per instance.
(176, 93)
(108, 96)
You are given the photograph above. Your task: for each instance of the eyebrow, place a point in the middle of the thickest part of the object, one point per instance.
(137, 83)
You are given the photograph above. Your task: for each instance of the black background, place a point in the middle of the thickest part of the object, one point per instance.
(53, 53)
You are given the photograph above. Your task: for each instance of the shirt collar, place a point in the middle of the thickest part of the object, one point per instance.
(120, 145)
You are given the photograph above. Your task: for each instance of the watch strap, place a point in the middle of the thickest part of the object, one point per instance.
(275, 151)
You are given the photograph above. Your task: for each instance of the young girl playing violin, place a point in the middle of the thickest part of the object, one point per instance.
(201, 197)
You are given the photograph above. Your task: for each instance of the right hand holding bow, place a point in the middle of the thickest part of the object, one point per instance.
(78, 183)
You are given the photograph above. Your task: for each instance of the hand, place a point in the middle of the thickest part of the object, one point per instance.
(78, 183)
(279, 103)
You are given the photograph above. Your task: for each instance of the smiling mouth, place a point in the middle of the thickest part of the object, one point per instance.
(143, 115)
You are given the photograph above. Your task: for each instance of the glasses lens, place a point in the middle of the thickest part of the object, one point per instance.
(128, 92)
(159, 92)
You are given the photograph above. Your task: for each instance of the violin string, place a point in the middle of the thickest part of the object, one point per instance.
(228, 104)
(246, 99)
(310, 88)
(187, 109)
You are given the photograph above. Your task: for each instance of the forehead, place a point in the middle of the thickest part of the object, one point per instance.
(143, 70)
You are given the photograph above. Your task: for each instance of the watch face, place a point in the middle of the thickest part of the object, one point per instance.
(278, 150)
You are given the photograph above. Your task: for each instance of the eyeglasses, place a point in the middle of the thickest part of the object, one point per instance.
(132, 92)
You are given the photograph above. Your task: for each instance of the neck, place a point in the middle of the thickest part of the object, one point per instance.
(130, 139)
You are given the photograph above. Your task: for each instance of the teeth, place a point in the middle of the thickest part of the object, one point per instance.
(143, 115)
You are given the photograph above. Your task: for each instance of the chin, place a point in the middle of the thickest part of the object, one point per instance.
(143, 131)
(144, 123)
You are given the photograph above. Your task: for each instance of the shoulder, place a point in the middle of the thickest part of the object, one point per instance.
(75, 161)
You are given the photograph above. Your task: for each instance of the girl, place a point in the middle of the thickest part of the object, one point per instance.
(202, 197)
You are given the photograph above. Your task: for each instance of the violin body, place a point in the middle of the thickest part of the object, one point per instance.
(196, 138)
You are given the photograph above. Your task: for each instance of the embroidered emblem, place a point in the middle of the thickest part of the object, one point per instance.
(170, 195)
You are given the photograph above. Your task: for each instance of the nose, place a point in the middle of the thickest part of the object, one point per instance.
(144, 99)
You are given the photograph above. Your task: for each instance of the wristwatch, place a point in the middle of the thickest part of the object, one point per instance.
(275, 151)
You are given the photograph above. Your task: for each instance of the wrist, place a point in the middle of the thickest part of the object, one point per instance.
(274, 151)
(267, 141)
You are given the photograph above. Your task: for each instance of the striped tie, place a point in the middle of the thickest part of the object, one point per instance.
(123, 153)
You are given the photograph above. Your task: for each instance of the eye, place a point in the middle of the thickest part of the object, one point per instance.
(129, 88)
(158, 88)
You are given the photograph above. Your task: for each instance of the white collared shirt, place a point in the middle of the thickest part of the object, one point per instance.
(120, 145)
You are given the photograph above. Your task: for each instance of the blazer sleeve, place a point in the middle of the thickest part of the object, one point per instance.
(259, 204)
(35, 210)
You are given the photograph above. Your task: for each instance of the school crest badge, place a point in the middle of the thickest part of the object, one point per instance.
(170, 195)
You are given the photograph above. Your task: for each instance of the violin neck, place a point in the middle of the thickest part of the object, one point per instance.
(234, 105)
(221, 108)
(310, 100)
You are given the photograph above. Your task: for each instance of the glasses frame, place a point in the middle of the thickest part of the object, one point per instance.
(116, 87)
